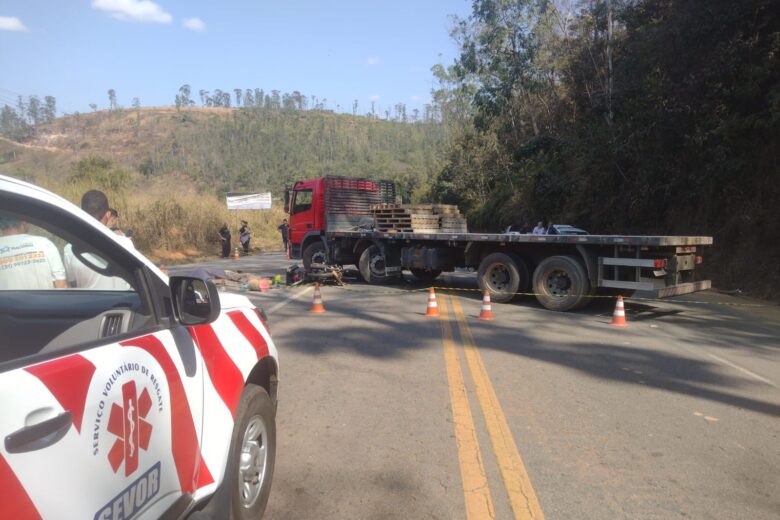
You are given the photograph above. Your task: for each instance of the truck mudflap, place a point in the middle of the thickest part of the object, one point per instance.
(683, 288)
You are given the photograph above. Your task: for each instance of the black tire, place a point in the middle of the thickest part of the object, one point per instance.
(561, 283)
(372, 267)
(525, 272)
(255, 405)
(314, 253)
(499, 274)
(426, 275)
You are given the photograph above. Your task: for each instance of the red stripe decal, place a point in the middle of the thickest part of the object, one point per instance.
(204, 475)
(249, 331)
(14, 500)
(68, 380)
(225, 375)
(184, 438)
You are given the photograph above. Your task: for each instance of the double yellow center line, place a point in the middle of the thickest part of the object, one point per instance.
(476, 490)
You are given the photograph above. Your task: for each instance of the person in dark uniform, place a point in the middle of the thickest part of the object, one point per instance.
(284, 229)
(224, 236)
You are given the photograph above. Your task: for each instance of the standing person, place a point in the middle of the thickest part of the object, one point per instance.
(284, 229)
(551, 229)
(224, 236)
(95, 203)
(539, 229)
(28, 262)
(245, 235)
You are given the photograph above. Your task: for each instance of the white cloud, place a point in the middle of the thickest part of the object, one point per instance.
(372, 60)
(133, 10)
(194, 24)
(374, 97)
(12, 23)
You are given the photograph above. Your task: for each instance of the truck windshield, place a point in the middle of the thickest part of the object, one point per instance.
(302, 201)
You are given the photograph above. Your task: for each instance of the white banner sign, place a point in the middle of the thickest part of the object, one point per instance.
(249, 200)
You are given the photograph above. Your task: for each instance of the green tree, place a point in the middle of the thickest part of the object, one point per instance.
(184, 97)
(50, 108)
(112, 103)
(34, 112)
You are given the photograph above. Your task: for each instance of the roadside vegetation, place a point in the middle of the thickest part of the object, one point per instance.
(650, 116)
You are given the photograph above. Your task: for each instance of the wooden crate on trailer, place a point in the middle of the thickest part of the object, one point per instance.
(418, 218)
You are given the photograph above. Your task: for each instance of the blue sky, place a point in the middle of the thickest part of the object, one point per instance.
(338, 50)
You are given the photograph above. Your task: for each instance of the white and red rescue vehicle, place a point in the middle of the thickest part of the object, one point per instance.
(154, 401)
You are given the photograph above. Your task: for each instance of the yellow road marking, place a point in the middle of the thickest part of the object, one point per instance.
(479, 504)
(522, 496)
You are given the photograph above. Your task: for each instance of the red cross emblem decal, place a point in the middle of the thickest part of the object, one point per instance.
(127, 422)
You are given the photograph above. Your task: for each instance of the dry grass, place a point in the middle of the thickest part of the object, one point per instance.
(173, 223)
(187, 225)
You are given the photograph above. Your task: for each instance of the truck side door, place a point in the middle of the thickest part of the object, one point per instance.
(301, 219)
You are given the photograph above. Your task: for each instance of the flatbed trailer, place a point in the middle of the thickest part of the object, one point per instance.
(330, 219)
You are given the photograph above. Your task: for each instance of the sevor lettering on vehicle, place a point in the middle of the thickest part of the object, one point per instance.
(133, 498)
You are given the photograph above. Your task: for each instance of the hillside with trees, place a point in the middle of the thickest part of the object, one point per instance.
(143, 155)
(647, 116)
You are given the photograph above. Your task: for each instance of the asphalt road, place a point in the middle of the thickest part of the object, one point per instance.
(385, 413)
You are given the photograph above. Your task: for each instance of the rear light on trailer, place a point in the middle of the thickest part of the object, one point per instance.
(659, 263)
(264, 319)
(699, 260)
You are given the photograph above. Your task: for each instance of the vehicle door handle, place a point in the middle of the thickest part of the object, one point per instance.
(39, 436)
(308, 226)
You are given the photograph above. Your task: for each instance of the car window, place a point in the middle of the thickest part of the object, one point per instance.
(302, 201)
(63, 284)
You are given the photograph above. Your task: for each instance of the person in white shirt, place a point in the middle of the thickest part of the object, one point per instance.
(539, 229)
(82, 276)
(28, 262)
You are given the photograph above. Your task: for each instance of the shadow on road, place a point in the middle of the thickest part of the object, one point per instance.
(377, 335)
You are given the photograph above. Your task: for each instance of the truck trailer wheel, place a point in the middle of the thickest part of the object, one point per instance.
(314, 253)
(525, 272)
(373, 268)
(426, 275)
(561, 284)
(499, 274)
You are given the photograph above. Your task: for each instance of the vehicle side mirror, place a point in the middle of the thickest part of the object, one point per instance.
(195, 300)
(286, 200)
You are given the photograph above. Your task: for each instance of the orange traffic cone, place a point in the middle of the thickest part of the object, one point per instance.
(236, 256)
(433, 308)
(316, 306)
(619, 316)
(486, 313)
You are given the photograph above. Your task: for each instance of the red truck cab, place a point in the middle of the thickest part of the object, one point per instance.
(306, 207)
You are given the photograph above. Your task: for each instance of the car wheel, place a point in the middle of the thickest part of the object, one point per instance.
(253, 454)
